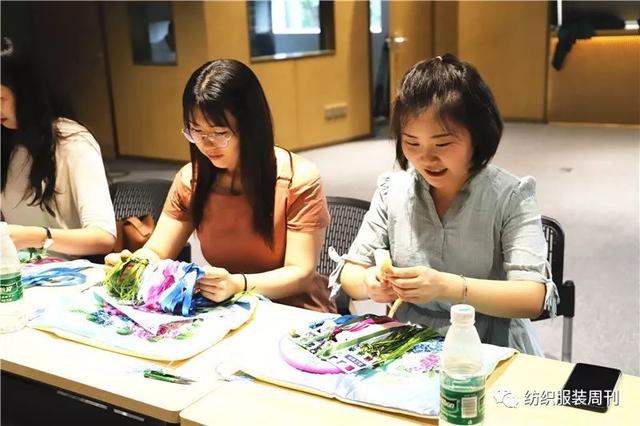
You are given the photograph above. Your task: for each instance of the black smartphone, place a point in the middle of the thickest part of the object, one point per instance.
(591, 387)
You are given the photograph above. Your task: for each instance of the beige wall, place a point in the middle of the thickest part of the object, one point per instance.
(340, 78)
(71, 50)
(299, 89)
(148, 98)
(599, 82)
(413, 21)
(445, 27)
(507, 42)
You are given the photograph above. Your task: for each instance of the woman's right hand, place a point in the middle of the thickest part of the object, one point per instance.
(113, 259)
(378, 288)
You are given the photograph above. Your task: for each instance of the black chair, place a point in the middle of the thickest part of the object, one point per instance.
(346, 218)
(132, 198)
(138, 198)
(554, 235)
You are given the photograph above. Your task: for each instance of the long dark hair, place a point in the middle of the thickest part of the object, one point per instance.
(228, 86)
(457, 93)
(36, 109)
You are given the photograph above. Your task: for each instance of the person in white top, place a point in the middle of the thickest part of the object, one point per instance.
(55, 192)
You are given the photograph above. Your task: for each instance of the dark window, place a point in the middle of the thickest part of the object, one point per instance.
(152, 33)
(280, 29)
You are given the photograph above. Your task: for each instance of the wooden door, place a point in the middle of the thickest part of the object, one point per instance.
(410, 37)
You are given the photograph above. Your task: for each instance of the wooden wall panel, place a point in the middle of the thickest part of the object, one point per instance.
(278, 80)
(507, 42)
(412, 20)
(148, 99)
(340, 78)
(599, 82)
(71, 53)
(445, 27)
(227, 33)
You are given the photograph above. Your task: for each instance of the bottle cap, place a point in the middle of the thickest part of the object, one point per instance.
(463, 314)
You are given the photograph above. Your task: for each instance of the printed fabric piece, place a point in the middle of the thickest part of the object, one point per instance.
(95, 319)
(409, 384)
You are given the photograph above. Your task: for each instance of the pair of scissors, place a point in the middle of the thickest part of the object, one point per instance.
(150, 373)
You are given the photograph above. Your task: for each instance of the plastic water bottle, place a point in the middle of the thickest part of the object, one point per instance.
(462, 380)
(12, 310)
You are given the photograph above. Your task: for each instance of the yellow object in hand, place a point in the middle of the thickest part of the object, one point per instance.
(394, 308)
(383, 260)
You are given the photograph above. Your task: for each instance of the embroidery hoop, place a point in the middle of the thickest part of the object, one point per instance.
(300, 359)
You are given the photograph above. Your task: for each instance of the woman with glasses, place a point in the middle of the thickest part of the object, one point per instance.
(55, 193)
(259, 211)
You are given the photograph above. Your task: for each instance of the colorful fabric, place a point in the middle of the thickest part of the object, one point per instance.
(55, 274)
(92, 318)
(409, 384)
(166, 286)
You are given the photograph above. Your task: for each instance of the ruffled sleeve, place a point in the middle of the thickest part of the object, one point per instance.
(373, 234)
(523, 243)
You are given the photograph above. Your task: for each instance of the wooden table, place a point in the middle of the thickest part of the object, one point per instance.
(113, 379)
(243, 403)
(240, 403)
(101, 376)
(116, 380)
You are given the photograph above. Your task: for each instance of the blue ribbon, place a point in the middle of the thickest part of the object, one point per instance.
(180, 294)
(55, 277)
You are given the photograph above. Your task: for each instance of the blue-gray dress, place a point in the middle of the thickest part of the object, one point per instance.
(492, 230)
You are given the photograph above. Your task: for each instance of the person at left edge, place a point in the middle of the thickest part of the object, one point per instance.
(54, 187)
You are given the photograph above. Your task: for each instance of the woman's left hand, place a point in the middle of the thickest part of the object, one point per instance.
(218, 284)
(27, 236)
(416, 284)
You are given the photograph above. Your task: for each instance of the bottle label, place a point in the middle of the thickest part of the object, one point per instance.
(10, 287)
(462, 407)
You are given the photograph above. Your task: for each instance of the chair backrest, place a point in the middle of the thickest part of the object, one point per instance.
(346, 218)
(554, 235)
(137, 198)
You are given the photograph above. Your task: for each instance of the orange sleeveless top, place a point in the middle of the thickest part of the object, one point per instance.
(226, 232)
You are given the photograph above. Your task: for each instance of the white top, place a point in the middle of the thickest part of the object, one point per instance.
(82, 193)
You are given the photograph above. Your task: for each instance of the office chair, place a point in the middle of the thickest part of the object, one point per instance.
(138, 198)
(346, 218)
(554, 235)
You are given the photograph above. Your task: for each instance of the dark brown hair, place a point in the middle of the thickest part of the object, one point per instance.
(227, 86)
(458, 94)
